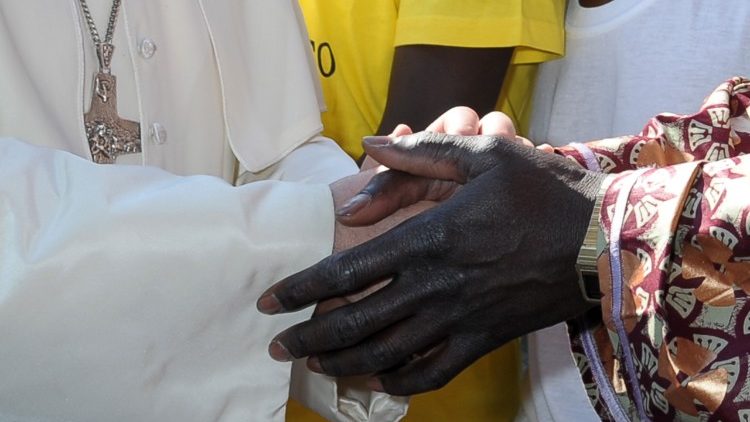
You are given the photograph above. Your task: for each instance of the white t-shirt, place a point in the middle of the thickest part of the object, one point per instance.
(629, 60)
(625, 62)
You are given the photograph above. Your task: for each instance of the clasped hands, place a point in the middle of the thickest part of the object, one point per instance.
(494, 260)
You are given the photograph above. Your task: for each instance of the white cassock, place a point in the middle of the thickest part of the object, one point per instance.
(127, 292)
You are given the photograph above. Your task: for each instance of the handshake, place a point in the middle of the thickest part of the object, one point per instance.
(119, 279)
(475, 235)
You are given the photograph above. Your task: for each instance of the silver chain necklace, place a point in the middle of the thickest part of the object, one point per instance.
(108, 134)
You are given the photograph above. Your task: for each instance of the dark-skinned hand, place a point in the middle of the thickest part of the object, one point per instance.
(495, 261)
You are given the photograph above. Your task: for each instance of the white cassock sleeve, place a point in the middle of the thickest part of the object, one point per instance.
(128, 293)
(319, 160)
(322, 161)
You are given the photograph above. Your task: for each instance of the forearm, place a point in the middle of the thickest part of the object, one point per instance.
(427, 80)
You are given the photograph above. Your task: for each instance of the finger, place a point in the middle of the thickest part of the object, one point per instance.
(369, 162)
(388, 192)
(434, 370)
(347, 325)
(525, 142)
(456, 121)
(497, 123)
(401, 130)
(354, 269)
(546, 148)
(461, 121)
(435, 155)
(383, 351)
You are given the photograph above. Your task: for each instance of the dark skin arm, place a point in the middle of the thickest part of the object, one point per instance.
(426, 80)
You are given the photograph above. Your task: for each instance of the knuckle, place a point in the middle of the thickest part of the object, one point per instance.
(439, 238)
(337, 272)
(445, 286)
(491, 150)
(378, 181)
(332, 366)
(492, 143)
(298, 342)
(384, 354)
(350, 327)
(383, 182)
(293, 295)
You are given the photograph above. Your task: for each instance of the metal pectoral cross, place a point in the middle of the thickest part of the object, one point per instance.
(108, 134)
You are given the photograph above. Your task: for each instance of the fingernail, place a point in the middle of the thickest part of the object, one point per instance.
(313, 364)
(268, 304)
(354, 205)
(374, 384)
(278, 352)
(377, 141)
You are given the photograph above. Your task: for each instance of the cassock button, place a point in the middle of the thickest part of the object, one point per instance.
(158, 134)
(147, 48)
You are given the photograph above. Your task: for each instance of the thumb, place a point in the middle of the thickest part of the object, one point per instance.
(435, 155)
(369, 162)
(456, 121)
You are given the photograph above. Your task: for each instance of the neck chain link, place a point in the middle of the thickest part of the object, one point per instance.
(104, 49)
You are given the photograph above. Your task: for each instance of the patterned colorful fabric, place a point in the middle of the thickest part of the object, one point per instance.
(673, 342)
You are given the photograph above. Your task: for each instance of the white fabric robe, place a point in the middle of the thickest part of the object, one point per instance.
(127, 292)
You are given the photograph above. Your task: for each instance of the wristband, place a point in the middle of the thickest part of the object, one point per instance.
(593, 245)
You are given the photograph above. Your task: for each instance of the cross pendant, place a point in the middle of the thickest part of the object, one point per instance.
(108, 134)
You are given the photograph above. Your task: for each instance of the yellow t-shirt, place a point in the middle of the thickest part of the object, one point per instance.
(353, 42)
